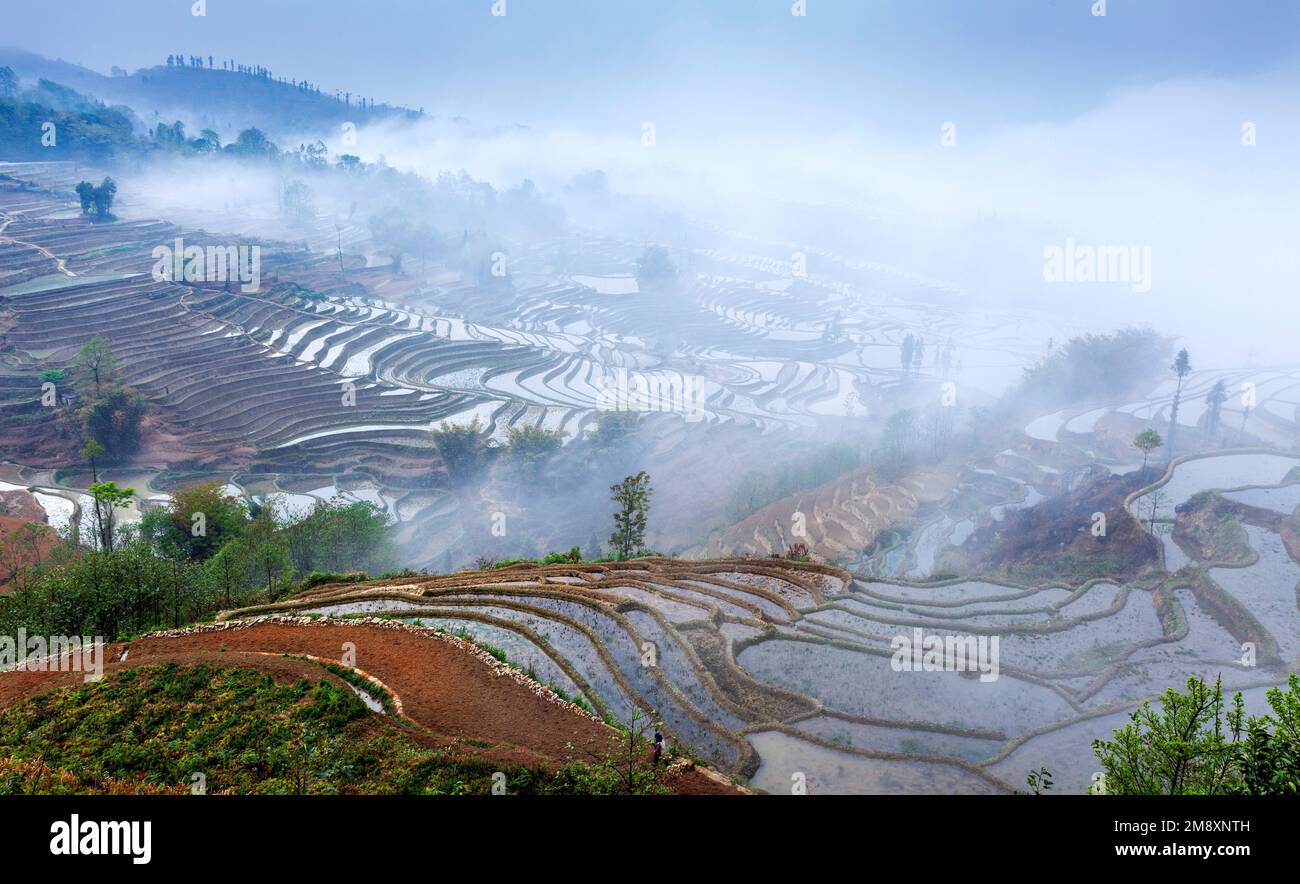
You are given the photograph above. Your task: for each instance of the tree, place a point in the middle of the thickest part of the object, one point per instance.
(314, 155)
(613, 429)
(267, 550)
(96, 358)
(86, 193)
(1270, 753)
(227, 572)
(252, 143)
(115, 419)
(297, 203)
(8, 83)
(633, 498)
(1198, 744)
(208, 141)
(172, 136)
(938, 426)
(1095, 367)
(463, 449)
(897, 441)
(906, 353)
(107, 499)
(1146, 442)
(637, 775)
(1157, 499)
(529, 448)
(1184, 749)
(340, 536)
(625, 766)
(97, 200)
(202, 518)
(91, 451)
(656, 271)
(1214, 411)
(1182, 367)
(110, 414)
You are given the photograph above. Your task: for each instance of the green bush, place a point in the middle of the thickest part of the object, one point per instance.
(319, 578)
(572, 557)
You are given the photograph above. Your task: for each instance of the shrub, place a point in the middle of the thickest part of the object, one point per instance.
(572, 557)
(318, 578)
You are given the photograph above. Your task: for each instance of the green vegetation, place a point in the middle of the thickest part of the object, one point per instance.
(50, 122)
(357, 680)
(613, 430)
(1107, 366)
(1039, 781)
(202, 518)
(572, 557)
(108, 499)
(248, 733)
(97, 201)
(633, 498)
(1146, 442)
(204, 552)
(97, 364)
(106, 415)
(1198, 744)
(319, 578)
(528, 449)
(463, 449)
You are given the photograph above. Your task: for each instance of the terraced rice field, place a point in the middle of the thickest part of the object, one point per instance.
(777, 672)
(258, 378)
(780, 672)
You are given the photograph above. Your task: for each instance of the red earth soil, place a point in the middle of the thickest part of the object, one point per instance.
(450, 692)
(17, 508)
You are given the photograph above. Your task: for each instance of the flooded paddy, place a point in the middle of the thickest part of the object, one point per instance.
(788, 761)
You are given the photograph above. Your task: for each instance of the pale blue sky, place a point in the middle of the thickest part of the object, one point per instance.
(733, 64)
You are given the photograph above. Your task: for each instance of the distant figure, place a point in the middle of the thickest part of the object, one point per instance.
(659, 747)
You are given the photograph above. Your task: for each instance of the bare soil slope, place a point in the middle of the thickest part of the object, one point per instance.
(459, 696)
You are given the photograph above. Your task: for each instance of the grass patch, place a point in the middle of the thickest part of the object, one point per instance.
(151, 728)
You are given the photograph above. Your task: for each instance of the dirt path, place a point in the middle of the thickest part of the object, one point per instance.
(60, 263)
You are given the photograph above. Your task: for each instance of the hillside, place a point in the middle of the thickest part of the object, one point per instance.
(209, 97)
(262, 708)
(1054, 539)
(839, 518)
